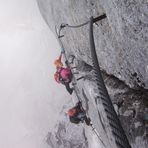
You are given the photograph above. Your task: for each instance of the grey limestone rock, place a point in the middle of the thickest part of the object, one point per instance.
(121, 39)
(122, 48)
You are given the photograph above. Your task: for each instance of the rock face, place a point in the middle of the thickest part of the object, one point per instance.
(122, 49)
(66, 134)
(121, 39)
(130, 105)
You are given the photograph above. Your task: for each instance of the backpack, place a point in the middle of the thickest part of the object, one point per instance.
(74, 119)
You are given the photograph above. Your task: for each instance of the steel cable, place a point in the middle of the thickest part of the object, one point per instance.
(83, 24)
(117, 130)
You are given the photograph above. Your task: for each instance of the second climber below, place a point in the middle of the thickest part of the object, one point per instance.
(77, 114)
(63, 74)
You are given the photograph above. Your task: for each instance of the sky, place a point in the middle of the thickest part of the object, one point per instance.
(30, 100)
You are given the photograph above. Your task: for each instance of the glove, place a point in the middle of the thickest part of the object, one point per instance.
(62, 51)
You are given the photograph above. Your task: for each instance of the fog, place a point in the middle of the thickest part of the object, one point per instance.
(30, 100)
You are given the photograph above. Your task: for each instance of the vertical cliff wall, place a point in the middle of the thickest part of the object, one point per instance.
(122, 49)
(121, 39)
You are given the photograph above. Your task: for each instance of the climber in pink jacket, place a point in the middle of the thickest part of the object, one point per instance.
(63, 75)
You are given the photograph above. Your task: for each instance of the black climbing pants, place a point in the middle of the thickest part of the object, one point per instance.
(70, 90)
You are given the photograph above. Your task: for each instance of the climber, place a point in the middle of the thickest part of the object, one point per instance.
(77, 114)
(63, 75)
